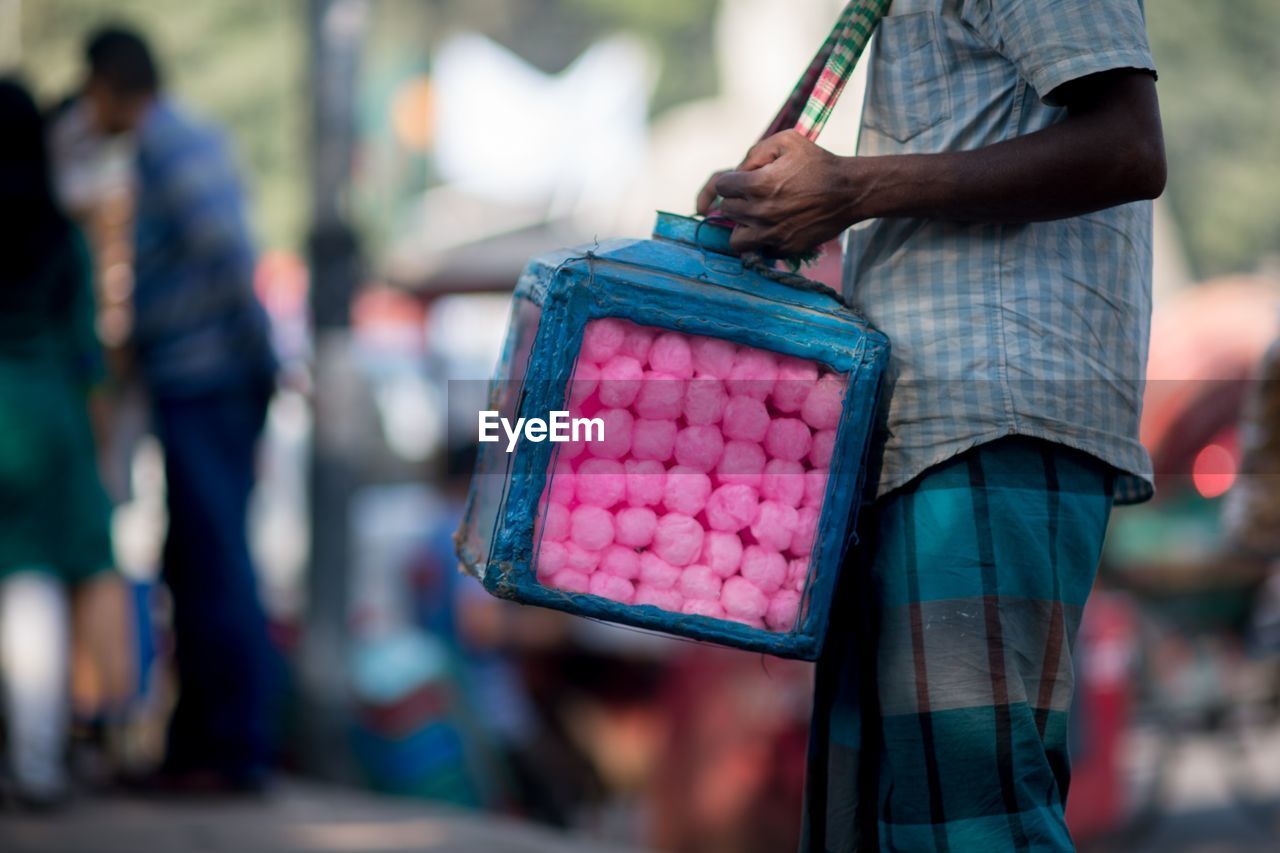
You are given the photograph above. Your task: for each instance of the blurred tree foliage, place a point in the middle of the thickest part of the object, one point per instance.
(1219, 69)
(242, 63)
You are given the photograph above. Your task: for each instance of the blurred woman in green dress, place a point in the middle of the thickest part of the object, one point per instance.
(54, 515)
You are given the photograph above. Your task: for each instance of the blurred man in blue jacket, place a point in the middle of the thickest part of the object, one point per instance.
(203, 347)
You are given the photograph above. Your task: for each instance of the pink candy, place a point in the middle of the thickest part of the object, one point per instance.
(654, 440)
(713, 356)
(634, 526)
(600, 482)
(602, 339)
(590, 527)
(766, 569)
(745, 418)
(773, 525)
(678, 539)
(743, 599)
(620, 379)
(611, 587)
(783, 481)
(821, 409)
(700, 582)
(618, 426)
(704, 401)
(721, 552)
(753, 374)
(783, 609)
(788, 438)
(686, 490)
(621, 562)
(699, 447)
(742, 463)
(661, 396)
(705, 494)
(670, 353)
(645, 481)
(732, 507)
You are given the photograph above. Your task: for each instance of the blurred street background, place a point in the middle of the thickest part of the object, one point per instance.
(402, 159)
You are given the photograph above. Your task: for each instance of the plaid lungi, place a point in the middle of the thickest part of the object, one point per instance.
(940, 712)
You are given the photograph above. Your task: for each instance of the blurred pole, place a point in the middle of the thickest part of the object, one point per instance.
(336, 30)
(10, 34)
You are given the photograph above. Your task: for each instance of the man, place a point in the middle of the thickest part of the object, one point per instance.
(1001, 237)
(202, 342)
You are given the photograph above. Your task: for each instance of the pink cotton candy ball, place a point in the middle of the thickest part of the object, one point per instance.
(661, 396)
(753, 374)
(773, 525)
(620, 561)
(732, 507)
(663, 599)
(555, 522)
(804, 531)
(797, 574)
(745, 419)
(765, 568)
(591, 527)
(783, 609)
(620, 379)
(602, 339)
(618, 427)
(686, 490)
(580, 559)
(634, 526)
(815, 486)
(552, 557)
(678, 539)
(572, 449)
(824, 443)
(699, 447)
(702, 607)
(795, 379)
(741, 463)
(822, 408)
(654, 440)
(721, 552)
(600, 482)
(586, 377)
(713, 356)
(743, 599)
(562, 482)
(637, 343)
(645, 481)
(670, 354)
(570, 580)
(704, 401)
(612, 587)
(783, 481)
(657, 572)
(788, 438)
(700, 582)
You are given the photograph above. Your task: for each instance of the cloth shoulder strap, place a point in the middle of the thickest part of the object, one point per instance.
(815, 94)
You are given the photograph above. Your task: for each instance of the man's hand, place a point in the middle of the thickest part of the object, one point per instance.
(787, 197)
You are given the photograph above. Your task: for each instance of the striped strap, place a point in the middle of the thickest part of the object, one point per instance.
(815, 95)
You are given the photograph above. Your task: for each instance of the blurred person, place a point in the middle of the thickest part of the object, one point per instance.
(202, 344)
(54, 514)
(999, 232)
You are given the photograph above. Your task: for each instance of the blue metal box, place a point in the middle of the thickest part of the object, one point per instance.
(684, 279)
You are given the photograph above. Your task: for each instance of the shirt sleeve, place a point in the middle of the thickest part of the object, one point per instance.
(1052, 42)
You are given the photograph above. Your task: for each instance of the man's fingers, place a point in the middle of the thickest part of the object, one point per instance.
(736, 184)
(707, 195)
(746, 238)
(741, 210)
(763, 153)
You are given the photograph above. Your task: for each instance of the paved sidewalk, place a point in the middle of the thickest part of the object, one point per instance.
(299, 816)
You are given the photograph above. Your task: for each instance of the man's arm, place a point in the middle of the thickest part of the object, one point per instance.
(789, 195)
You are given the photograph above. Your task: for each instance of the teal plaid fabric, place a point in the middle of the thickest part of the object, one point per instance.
(940, 712)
